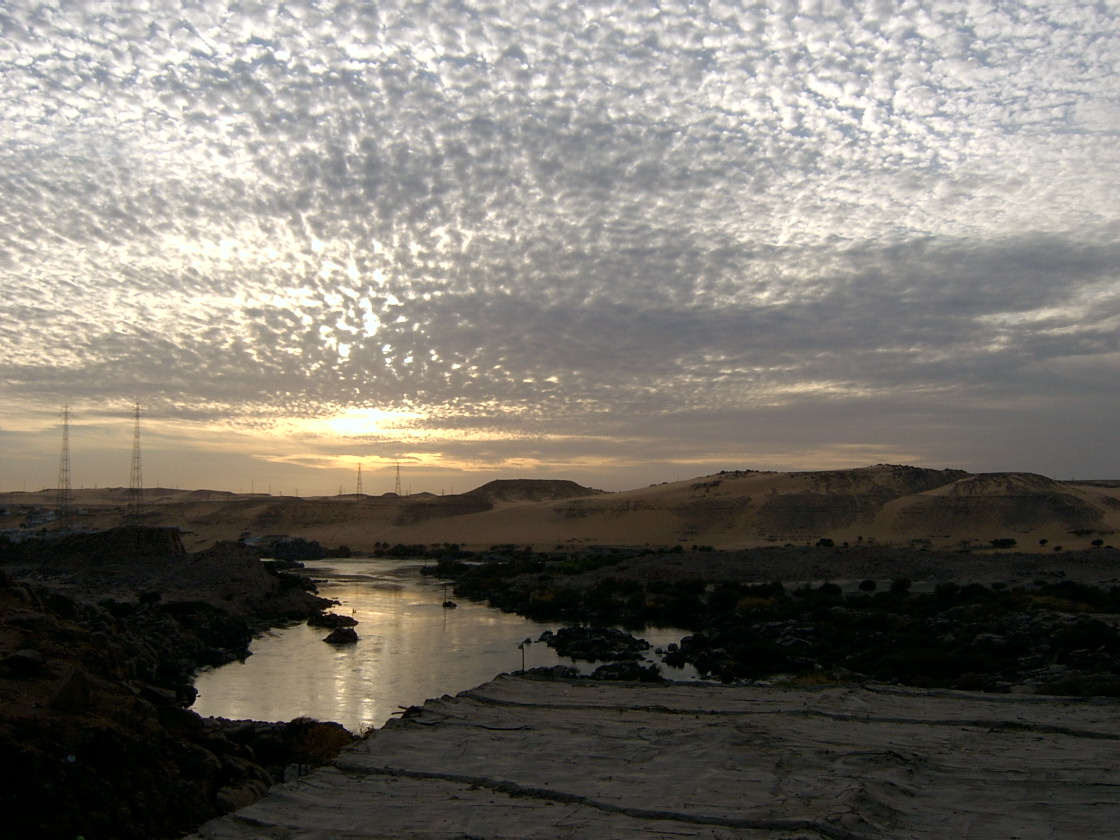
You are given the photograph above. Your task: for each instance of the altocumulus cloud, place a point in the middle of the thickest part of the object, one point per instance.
(798, 233)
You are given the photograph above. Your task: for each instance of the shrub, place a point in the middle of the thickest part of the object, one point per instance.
(315, 742)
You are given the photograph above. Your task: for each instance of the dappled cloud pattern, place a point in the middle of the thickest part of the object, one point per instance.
(646, 221)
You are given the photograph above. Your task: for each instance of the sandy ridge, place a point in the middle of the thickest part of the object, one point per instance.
(882, 504)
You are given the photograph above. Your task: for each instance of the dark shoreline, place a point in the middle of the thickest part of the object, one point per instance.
(100, 638)
(998, 622)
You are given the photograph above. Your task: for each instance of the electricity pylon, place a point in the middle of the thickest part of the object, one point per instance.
(136, 476)
(65, 489)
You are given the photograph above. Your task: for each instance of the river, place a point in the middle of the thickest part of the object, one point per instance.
(410, 649)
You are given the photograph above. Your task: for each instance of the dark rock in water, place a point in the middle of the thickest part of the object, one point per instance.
(331, 620)
(595, 644)
(342, 636)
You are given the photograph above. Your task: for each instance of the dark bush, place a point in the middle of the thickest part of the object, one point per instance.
(900, 586)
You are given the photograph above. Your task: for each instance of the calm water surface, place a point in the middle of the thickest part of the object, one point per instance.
(410, 649)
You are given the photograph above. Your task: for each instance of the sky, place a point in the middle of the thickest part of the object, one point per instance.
(616, 242)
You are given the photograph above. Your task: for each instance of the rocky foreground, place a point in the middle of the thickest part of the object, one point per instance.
(528, 758)
(100, 636)
(823, 751)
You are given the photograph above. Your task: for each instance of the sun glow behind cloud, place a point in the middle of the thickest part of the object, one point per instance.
(363, 424)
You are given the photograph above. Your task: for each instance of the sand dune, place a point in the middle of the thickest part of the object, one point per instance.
(882, 504)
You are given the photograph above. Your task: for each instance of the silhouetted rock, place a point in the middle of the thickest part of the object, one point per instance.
(22, 663)
(95, 674)
(342, 636)
(595, 644)
(331, 620)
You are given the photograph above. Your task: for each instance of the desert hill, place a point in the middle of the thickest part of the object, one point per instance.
(883, 504)
(530, 490)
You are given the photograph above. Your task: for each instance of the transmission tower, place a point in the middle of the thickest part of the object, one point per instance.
(397, 489)
(359, 491)
(65, 490)
(136, 476)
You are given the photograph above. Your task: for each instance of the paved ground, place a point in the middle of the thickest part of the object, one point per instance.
(523, 758)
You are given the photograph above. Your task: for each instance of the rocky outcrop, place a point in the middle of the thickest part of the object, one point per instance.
(285, 750)
(94, 683)
(94, 550)
(1037, 640)
(595, 644)
(531, 490)
(991, 501)
(1031, 628)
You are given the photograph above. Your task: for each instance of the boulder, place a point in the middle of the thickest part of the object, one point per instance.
(232, 797)
(342, 636)
(22, 663)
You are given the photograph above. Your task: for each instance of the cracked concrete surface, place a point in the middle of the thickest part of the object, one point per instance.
(526, 758)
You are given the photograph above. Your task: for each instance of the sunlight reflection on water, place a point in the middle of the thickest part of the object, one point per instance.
(410, 649)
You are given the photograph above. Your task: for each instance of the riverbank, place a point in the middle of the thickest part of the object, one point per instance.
(998, 622)
(100, 635)
(96, 640)
(527, 758)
